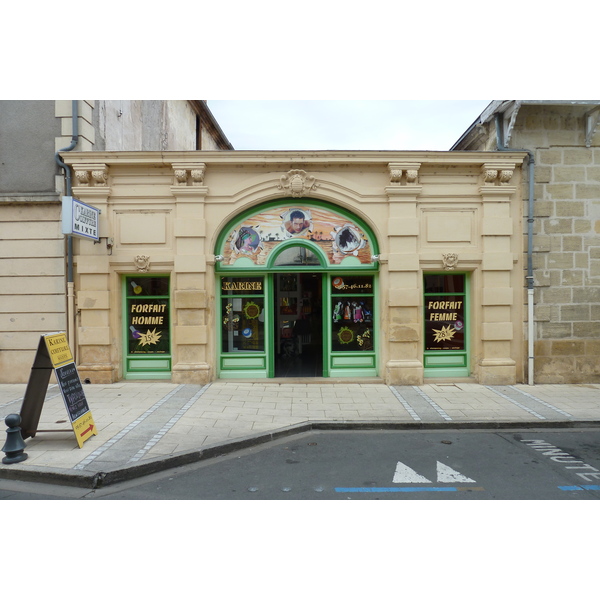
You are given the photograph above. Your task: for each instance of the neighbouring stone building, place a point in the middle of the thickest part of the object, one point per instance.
(33, 250)
(563, 141)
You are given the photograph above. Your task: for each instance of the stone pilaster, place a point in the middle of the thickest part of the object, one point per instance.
(499, 261)
(96, 352)
(404, 365)
(191, 363)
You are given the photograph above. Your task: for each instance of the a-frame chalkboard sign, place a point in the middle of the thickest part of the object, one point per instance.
(54, 354)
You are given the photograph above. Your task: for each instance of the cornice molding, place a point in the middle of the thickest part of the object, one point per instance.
(287, 159)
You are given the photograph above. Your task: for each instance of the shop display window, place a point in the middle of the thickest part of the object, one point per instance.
(148, 315)
(445, 314)
(242, 314)
(352, 313)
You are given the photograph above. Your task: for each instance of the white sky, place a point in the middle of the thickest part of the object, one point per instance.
(345, 124)
(319, 75)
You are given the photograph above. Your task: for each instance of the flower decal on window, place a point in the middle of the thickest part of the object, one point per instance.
(251, 310)
(345, 335)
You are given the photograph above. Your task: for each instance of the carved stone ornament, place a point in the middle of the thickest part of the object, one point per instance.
(404, 173)
(91, 175)
(181, 176)
(449, 261)
(197, 176)
(297, 183)
(500, 175)
(99, 177)
(83, 177)
(490, 175)
(411, 175)
(142, 263)
(395, 175)
(193, 172)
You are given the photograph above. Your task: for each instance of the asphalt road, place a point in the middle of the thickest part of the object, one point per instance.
(558, 464)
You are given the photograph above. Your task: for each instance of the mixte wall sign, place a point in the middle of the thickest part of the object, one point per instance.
(335, 234)
(80, 219)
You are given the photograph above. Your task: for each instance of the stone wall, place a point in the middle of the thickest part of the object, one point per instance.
(32, 247)
(27, 132)
(134, 125)
(566, 242)
(32, 283)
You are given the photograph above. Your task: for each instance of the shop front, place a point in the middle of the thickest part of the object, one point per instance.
(297, 284)
(402, 267)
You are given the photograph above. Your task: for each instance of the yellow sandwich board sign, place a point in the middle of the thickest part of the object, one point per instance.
(54, 354)
(58, 348)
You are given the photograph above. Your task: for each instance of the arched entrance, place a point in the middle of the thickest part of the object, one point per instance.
(297, 293)
(298, 313)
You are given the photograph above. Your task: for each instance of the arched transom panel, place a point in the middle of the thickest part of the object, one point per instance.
(340, 236)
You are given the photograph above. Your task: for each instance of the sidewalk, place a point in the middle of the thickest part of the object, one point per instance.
(144, 427)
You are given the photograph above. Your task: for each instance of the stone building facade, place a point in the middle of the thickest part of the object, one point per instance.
(400, 266)
(563, 140)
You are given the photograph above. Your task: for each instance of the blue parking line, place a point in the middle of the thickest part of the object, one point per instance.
(395, 489)
(574, 488)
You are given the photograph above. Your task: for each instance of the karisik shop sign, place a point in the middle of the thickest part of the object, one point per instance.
(238, 285)
(444, 323)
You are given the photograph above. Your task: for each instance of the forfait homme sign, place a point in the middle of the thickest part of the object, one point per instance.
(80, 219)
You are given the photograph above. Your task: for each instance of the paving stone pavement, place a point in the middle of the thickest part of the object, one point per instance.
(145, 426)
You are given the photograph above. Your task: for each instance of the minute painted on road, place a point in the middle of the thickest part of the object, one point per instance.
(576, 466)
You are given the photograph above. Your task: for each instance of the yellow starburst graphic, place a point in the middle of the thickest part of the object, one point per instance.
(444, 334)
(150, 337)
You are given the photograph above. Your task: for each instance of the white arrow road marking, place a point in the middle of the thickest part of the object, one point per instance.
(405, 474)
(447, 475)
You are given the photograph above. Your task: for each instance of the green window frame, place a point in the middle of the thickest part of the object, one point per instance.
(352, 320)
(242, 340)
(147, 326)
(446, 324)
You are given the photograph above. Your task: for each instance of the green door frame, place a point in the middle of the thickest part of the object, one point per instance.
(273, 316)
(262, 364)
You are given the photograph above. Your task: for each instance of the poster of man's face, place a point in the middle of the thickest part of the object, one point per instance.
(297, 221)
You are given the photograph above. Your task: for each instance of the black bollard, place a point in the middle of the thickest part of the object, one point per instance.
(14, 441)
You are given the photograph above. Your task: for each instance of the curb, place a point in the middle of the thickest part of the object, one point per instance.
(101, 479)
